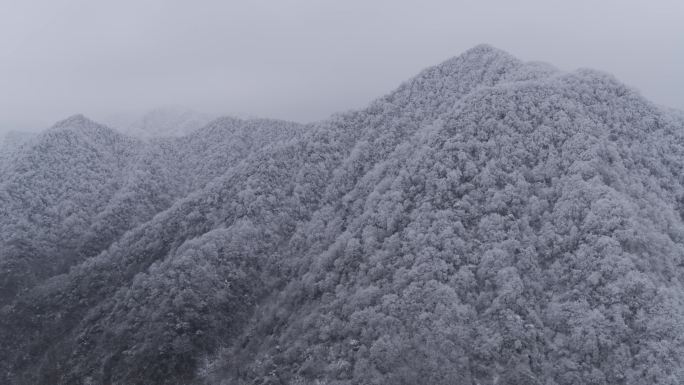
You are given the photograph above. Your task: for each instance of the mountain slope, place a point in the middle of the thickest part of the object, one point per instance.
(490, 221)
(495, 250)
(69, 193)
(50, 193)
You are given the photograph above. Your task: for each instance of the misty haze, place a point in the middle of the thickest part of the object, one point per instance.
(357, 193)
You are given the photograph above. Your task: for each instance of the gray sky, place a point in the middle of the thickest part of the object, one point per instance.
(303, 59)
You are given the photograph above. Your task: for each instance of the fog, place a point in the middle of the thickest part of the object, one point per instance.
(302, 60)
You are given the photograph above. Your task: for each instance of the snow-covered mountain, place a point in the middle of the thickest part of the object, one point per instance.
(70, 192)
(490, 221)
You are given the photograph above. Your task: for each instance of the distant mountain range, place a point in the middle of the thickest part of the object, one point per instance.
(490, 221)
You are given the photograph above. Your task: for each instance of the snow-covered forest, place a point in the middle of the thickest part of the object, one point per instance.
(490, 221)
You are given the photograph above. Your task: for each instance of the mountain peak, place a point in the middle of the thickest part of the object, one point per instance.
(481, 57)
(75, 121)
(440, 86)
(484, 49)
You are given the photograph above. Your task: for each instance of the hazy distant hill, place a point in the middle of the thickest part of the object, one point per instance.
(168, 121)
(10, 142)
(12, 139)
(488, 222)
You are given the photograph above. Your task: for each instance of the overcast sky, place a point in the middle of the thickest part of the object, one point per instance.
(303, 60)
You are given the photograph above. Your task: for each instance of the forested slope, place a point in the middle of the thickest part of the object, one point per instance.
(489, 222)
(68, 193)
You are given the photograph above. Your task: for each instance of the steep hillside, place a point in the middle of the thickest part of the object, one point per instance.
(489, 222)
(538, 241)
